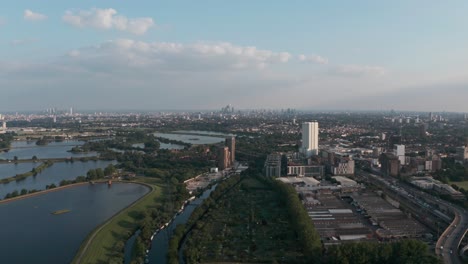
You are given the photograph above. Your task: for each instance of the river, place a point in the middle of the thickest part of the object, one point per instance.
(160, 243)
(31, 234)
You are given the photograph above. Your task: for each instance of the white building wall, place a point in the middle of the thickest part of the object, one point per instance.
(310, 132)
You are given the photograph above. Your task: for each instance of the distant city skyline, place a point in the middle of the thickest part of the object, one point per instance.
(308, 55)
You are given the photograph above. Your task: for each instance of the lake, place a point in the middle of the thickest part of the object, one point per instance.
(210, 133)
(54, 174)
(11, 169)
(161, 146)
(192, 139)
(28, 149)
(31, 234)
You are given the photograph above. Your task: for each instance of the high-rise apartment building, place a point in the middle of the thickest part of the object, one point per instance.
(310, 133)
(224, 158)
(231, 144)
(399, 151)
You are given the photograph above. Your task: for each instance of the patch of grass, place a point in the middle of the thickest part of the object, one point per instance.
(463, 184)
(119, 228)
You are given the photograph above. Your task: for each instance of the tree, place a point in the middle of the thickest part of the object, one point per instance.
(15, 158)
(34, 157)
(99, 173)
(109, 170)
(23, 191)
(91, 175)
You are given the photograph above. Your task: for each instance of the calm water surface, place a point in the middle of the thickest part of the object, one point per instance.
(11, 169)
(192, 139)
(54, 174)
(28, 149)
(31, 234)
(161, 146)
(213, 133)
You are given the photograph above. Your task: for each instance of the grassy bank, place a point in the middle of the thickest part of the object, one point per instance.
(20, 177)
(100, 245)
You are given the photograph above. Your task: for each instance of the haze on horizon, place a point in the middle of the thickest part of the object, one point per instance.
(356, 55)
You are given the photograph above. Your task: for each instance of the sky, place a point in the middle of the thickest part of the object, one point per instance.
(153, 55)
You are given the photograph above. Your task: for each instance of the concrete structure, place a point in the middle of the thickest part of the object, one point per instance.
(399, 151)
(310, 133)
(462, 153)
(390, 164)
(305, 170)
(272, 165)
(224, 160)
(230, 142)
(343, 166)
(346, 182)
(302, 181)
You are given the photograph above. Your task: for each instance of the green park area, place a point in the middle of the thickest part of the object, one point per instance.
(249, 223)
(462, 184)
(105, 244)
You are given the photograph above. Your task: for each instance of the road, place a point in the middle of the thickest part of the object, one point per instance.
(451, 238)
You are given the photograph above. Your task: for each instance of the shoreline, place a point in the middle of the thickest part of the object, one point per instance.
(29, 195)
(58, 188)
(89, 239)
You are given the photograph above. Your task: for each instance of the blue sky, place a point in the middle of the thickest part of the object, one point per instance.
(191, 54)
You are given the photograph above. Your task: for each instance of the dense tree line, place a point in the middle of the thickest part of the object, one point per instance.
(16, 193)
(181, 230)
(300, 220)
(6, 139)
(452, 171)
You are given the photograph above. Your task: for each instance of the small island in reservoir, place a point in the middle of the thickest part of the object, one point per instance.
(63, 211)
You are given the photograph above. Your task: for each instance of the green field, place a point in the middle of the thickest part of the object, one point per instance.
(247, 224)
(101, 242)
(463, 184)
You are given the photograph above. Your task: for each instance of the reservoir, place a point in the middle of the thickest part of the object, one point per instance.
(28, 149)
(192, 139)
(161, 146)
(54, 174)
(209, 133)
(11, 169)
(32, 234)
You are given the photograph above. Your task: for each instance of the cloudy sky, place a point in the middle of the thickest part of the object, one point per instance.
(149, 55)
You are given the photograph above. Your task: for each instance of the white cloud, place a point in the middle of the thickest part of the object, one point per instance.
(360, 70)
(33, 16)
(313, 58)
(107, 19)
(163, 75)
(74, 53)
(183, 57)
